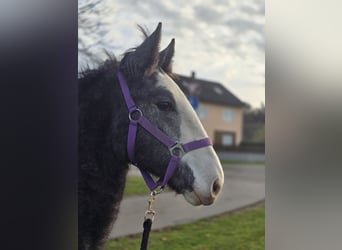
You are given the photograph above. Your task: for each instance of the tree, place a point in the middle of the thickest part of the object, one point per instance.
(92, 29)
(254, 125)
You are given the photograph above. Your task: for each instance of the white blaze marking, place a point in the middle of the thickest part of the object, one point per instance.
(203, 162)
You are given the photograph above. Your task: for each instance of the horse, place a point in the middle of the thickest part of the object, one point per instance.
(104, 125)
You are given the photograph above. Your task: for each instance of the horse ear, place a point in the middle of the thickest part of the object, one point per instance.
(165, 57)
(146, 55)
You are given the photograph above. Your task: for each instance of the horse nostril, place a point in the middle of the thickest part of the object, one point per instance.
(216, 187)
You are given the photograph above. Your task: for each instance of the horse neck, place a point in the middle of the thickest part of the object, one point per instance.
(102, 159)
(102, 126)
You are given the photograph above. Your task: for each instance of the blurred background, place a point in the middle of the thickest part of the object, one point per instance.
(39, 99)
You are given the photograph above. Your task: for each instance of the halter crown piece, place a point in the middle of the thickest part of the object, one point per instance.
(177, 149)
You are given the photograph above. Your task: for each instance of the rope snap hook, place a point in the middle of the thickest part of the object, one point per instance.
(150, 213)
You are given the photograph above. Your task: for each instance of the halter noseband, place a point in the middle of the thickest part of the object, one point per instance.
(177, 149)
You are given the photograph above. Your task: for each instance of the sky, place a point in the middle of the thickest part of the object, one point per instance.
(221, 40)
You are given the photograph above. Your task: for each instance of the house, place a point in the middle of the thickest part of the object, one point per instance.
(219, 110)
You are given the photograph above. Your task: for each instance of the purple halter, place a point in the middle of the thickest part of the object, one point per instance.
(177, 149)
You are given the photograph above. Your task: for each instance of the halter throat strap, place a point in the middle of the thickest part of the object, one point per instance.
(177, 149)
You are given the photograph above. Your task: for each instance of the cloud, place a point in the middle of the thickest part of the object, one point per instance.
(164, 8)
(222, 40)
(208, 14)
(256, 9)
(260, 43)
(240, 25)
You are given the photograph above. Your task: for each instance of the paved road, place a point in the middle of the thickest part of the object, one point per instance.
(244, 185)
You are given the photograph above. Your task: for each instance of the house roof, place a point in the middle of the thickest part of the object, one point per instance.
(208, 91)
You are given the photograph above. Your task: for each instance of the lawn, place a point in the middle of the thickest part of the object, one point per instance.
(241, 230)
(135, 185)
(259, 163)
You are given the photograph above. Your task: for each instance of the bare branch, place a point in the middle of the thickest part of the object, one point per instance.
(92, 27)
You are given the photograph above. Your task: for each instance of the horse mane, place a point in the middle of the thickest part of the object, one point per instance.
(144, 31)
(100, 171)
(108, 65)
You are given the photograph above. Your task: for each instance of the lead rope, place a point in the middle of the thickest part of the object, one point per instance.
(148, 218)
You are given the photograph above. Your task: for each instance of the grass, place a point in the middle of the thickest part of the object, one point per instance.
(240, 230)
(226, 162)
(135, 185)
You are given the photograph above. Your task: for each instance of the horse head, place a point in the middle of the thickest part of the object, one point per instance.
(199, 175)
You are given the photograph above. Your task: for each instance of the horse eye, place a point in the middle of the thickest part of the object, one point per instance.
(165, 106)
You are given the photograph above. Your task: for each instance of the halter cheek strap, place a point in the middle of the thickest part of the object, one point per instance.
(177, 149)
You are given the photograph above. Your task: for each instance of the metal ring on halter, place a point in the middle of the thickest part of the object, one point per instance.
(134, 111)
(177, 150)
(156, 192)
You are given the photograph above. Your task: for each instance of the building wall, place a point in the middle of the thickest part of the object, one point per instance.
(214, 121)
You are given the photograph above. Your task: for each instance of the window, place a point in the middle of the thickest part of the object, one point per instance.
(227, 140)
(224, 139)
(228, 115)
(202, 112)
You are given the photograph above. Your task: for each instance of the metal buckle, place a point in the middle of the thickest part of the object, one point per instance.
(177, 150)
(135, 111)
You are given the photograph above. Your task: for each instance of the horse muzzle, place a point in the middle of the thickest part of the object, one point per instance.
(209, 177)
(204, 197)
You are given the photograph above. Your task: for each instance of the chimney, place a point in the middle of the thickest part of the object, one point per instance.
(193, 74)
